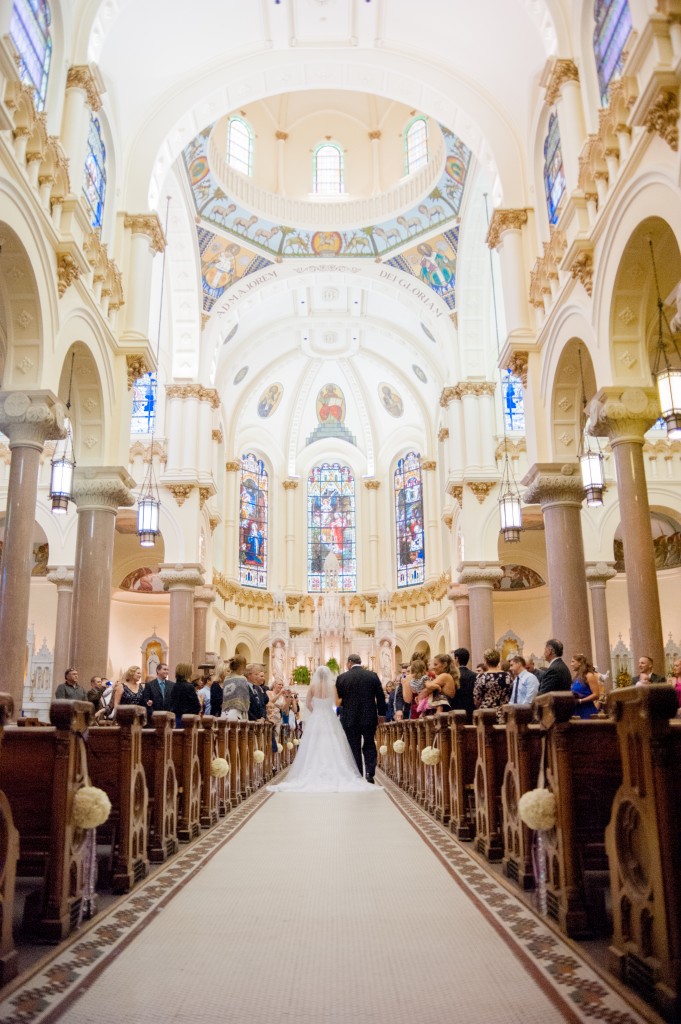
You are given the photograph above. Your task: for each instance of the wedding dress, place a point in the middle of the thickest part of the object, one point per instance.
(324, 761)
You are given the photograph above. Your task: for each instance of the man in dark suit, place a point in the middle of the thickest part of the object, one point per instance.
(463, 698)
(645, 672)
(362, 703)
(557, 675)
(157, 692)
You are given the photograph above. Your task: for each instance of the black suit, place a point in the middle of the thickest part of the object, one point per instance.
(654, 678)
(152, 692)
(363, 701)
(556, 677)
(463, 698)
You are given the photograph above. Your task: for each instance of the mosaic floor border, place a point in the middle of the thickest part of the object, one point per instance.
(44, 991)
(581, 991)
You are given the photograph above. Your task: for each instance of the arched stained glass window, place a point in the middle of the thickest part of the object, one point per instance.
(240, 146)
(416, 145)
(513, 399)
(29, 29)
(94, 186)
(253, 509)
(613, 25)
(143, 404)
(331, 525)
(328, 169)
(408, 487)
(554, 175)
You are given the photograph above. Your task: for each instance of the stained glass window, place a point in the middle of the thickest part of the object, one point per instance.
(331, 525)
(416, 145)
(94, 186)
(554, 175)
(143, 404)
(29, 29)
(408, 487)
(240, 146)
(328, 169)
(512, 397)
(613, 25)
(253, 507)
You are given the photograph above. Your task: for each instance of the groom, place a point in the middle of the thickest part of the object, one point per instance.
(362, 701)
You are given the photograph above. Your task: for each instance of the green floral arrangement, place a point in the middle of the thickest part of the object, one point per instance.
(301, 674)
(333, 665)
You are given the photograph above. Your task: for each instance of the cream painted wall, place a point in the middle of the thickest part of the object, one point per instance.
(133, 619)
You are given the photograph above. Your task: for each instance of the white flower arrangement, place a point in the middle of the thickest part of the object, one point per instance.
(258, 756)
(399, 746)
(219, 767)
(289, 745)
(280, 749)
(430, 755)
(296, 742)
(537, 809)
(91, 807)
(383, 750)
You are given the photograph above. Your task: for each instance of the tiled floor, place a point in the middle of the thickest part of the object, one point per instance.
(318, 909)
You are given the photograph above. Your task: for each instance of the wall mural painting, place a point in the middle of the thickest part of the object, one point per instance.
(216, 208)
(331, 416)
(390, 400)
(666, 543)
(408, 487)
(269, 400)
(222, 264)
(331, 525)
(41, 556)
(253, 522)
(434, 263)
(518, 577)
(145, 580)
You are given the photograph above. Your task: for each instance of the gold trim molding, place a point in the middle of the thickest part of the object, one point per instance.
(180, 492)
(147, 224)
(203, 394)
(563, 70)
(502, 221)
(80, 76)
(481, 488)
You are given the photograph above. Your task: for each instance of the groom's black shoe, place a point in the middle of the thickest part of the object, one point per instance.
(370, 779)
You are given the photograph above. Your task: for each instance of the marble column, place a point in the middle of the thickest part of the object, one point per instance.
(62, 577)
(480, 578)
(505, 235)
(181, 581)
(98, 492)
(232, 468)
(147, 240)
(624, 415)
(81, 100)
(372, 486)
(562, 89)
(560, 492)
(597, 575)
(203, 599)
(28, 419)
(458, 595)
(290, 534)
(432, 539)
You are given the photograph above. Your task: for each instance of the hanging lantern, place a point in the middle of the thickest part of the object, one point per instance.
(510, 508)
(667, 377)
(148, 511)
(591, 463)
(61, 475)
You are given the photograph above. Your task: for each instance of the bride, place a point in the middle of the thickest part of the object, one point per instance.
(324, 762)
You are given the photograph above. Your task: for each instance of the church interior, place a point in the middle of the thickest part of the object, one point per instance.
(317, 338)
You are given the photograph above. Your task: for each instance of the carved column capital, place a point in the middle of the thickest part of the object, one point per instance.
(479, 574)
(502, 221)
(663, 117)
(281, 136)
(31, 417)
(137, 366)
(553, 484)
(623, 414)
(449, 394)
(477, 388)
(68, 271)
(106, 488)
(598, 573)
(204, 595)
(62, 577)
(428, 465)
(180, 492)
(372, 485)
(482, 489)
(216, 435)
(582, 270)
(517, 364)
(443, 434)
(233, 466)
(458, 593)
(375, 135)
(80, 76)
(147, 224)
(290, 485)
(182, 576)
(563, 70)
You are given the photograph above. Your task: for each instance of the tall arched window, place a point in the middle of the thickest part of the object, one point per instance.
(94, 186)
(554, 175)
(328, 169)
(29, 29)
(331, 525)
(408, 487)
(514, 402)
(613, 25)
(416, 145)
(240, 146)
(253, 509)
(143, 404)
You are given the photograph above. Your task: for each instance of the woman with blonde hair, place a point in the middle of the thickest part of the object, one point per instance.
(129, 689)
(584, 686)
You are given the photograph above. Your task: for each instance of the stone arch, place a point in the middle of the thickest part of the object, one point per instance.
(566, 398)
(87, 404)
(22, 325)
(242, 648)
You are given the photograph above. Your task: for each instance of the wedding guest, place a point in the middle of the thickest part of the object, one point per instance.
(645, 672)
(556, 675)
(129, 689)
(204, 689)
(390, 701)
(157, 692)
(584, 686)
(184, 699)
(70, 688)
(493, 687)
(96, 692)
(463, 699)
(440, 691)
(412, 684)
(675, 680)
(235, 691)
(259, 698)
(525, 683)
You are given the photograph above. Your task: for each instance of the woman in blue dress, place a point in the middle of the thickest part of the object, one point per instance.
(584, 686)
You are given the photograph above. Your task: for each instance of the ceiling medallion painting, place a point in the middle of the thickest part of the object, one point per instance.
(434, 263)
(428, 333)
(390, 400)
(331, 416)
(419, 373)
(240, 375)
(269, 400)
(222, 264)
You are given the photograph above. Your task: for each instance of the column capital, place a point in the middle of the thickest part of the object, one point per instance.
(458, 593)
(372, 485)
(233, 466)
(623, 414)
(477, 388)
(204, 595)
(428, 465)
(30, 418)
(137, 365)
(598, 573)
(182, 576)
(198, 391)
(81, 76)
(147, 224)
(62, 577)
(550, 483)
(281, 136)
(479, 574)
(289, 485)
(102, 488)
(517, 364)
(450, 393)
(503, 221)
(375, 135)
(563, 70)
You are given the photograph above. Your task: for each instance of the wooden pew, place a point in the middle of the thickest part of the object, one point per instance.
(442, 739)
(234, 758)
(643, 841)
(489, 779)
(223, 784)
(188, 771)
(464, 740)
(523, 756)
(243, 732)
(42, 767)
(159, 769)
(208, 749)
(10, 855)
(584, 771)
(115, 763)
